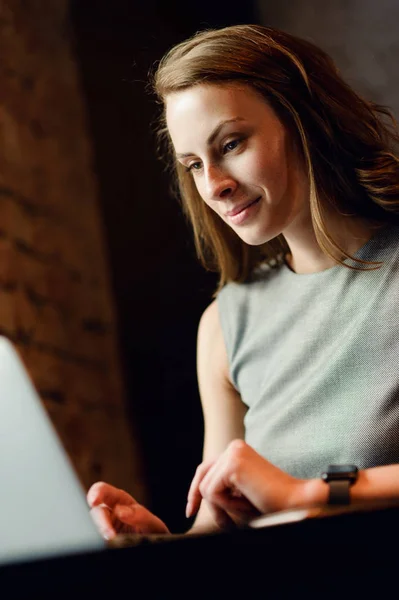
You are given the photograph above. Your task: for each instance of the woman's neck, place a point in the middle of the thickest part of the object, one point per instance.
(306, 256)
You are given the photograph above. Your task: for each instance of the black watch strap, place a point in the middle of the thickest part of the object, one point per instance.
(339, 479)
(339, 492)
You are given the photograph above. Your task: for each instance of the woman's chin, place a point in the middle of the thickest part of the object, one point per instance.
(256, 238)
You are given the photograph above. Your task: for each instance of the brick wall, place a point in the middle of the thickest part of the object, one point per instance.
(55, 300)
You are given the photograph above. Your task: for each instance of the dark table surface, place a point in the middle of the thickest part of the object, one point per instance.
(344, 552)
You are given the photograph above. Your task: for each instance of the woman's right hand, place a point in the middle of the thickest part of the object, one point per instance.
(115, 511)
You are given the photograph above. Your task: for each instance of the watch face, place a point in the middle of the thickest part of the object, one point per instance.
(336, 472)
(339, 469)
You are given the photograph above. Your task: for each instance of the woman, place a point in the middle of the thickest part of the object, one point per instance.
(290, 180)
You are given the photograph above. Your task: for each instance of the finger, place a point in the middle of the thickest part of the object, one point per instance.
(216, 481)
(219, 487)
(139, 519)
(240, 509)
(206, 477)
(104, 493)
(194, 495)
(102, 518)
(221, 518)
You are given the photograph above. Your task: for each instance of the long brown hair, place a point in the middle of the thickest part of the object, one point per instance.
(349, 152)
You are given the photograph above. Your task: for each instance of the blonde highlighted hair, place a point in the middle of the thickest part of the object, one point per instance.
(349, 151)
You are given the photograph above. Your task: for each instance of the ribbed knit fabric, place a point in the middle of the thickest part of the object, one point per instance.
(315, 358)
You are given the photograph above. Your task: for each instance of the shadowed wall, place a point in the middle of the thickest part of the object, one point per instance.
(361, 36)
(55, 300)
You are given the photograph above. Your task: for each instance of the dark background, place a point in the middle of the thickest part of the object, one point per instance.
(159, 287)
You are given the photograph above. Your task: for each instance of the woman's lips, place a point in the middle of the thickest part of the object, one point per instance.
(240, 215)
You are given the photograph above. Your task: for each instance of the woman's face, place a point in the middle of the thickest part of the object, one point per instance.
(241, 159)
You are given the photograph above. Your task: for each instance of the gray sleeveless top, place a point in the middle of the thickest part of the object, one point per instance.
(315, 357)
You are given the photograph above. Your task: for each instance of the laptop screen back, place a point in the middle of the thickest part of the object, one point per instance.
(43, 509)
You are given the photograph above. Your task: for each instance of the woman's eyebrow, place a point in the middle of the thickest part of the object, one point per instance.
(213, 135)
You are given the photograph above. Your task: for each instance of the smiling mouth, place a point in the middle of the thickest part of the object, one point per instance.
(237, 211)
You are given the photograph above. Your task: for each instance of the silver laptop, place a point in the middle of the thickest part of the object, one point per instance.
(43, 508)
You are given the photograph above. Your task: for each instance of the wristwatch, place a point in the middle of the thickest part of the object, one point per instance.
(339, 479)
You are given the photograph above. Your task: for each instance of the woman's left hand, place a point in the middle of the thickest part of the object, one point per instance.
(240, 485)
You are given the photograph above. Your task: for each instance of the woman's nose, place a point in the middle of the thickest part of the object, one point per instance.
(219, 183)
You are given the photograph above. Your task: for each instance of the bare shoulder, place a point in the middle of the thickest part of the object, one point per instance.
(210, 316)
(210, 344)
(223, 408)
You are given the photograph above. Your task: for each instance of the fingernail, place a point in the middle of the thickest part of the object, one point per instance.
(188, 510)
(108, 534)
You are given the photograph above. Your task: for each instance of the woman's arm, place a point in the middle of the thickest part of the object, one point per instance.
(221, 404)
(266, 488)
(114, 510)
(373, 485)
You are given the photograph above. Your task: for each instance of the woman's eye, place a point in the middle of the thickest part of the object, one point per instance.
(193, 167)
(231, 145)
